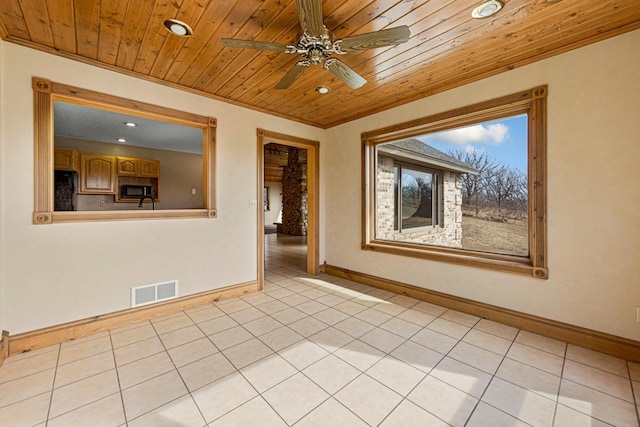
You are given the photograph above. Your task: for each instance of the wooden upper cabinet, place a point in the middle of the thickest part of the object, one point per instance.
(149, 168)
(66, 159)
(128, 166)
(97, 174)
(133, 166)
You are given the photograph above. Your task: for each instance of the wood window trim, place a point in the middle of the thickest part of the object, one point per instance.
(531, 102)
(46, 92)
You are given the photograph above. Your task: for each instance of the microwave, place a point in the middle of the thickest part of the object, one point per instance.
(135, 191)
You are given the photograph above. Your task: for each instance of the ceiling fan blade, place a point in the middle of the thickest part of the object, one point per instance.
(250, 44)
(344, 73)
(388, 37)
(310, 15)
(291, 76)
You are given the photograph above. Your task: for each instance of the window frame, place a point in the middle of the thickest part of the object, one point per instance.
(46, 92)
(434, 187)
(533, 103)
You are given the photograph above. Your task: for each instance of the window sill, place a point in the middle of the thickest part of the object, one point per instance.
(496, 262)
(70, 217)
(427, 229)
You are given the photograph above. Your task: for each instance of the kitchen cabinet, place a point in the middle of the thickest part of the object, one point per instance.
(128, 166)
(149, 168)
(66, 159)
(133, 166)
(97, 174)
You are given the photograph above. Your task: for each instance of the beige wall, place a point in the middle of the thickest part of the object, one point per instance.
(179, 174)
(593, 192)
(62, 272)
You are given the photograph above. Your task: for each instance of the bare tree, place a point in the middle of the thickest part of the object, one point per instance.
(474, 186)
(505, 185)
(519, 201)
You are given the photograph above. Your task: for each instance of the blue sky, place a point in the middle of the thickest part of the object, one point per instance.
(505, 140)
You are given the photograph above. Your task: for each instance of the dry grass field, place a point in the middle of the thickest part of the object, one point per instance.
(509, 237)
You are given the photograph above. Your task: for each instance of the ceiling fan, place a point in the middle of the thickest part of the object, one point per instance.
(317, 44)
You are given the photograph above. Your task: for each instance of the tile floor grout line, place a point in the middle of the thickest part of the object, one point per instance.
(406, 397)
(74, 382)
(555, 408)
(598, 390)
(493, 376)
(249, 382)
(302, 417)
(600, 369)
(361, 373)
(179, 375)
(82, 379)
(241, 374)
(83, 406)
(562, 378)
(115, 364)
(28, 375)
(53, 385)
(636, 400)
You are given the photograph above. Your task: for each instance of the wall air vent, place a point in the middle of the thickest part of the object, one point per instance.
(148, 294)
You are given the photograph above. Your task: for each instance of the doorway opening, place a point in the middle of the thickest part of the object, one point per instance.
(288, 195)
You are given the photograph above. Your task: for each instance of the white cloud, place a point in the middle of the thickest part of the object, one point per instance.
(491, 134)
(471, 149)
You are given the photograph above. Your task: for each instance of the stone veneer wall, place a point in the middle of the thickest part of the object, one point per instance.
(448, 233)
(294, 194)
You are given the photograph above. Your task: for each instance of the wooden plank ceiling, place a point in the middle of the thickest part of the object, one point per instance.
(447, 47)
(276, 157)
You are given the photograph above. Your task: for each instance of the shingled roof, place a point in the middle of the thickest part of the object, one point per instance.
(415, 150)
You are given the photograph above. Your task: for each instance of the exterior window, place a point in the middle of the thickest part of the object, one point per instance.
(465, 186)
(419, 186)
(418, 200)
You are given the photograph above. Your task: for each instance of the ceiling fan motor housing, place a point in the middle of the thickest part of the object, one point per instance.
(315, 49)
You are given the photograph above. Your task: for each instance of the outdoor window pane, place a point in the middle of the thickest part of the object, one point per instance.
(395, 198)
(417, 199)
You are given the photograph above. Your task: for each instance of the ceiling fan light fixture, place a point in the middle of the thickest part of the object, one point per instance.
(178, 28)
(487, 9)
(322, 89)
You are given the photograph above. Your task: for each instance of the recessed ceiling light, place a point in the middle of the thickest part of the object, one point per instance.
(487, 9)
(130, 124)
(178, 28)
(322, 89)
(121, 140)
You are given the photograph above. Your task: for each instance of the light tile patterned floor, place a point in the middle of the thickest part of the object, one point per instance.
(317, 351)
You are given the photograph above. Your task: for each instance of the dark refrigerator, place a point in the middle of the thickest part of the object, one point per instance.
(65, 183)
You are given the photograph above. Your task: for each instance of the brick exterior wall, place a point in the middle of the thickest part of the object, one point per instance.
(447, 233)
